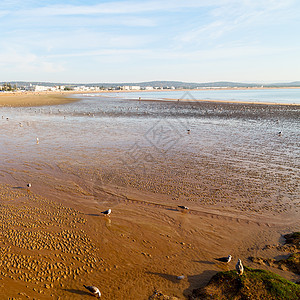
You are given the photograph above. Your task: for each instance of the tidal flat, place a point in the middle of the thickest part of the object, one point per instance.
(235, 166)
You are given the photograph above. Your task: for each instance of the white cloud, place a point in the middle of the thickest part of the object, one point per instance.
(18, 60)
(118, 7)
(235, 15)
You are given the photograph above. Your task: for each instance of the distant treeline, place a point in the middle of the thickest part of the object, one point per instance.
(8, 87)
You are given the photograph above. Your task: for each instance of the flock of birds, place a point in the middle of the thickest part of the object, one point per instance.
(96, 292)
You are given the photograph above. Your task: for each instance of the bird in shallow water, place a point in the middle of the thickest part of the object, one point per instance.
(106, 212)
(239, 267)
(226, 259)
(94, 290)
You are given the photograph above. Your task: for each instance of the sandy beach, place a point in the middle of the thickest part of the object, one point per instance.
(34, 99)
(239, 179)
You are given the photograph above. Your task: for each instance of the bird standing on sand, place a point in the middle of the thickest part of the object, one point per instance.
(29, 185)
(183, 207)
(239, 267)
(37, 140)
(94, 290)
(226, 259)
(106, 212)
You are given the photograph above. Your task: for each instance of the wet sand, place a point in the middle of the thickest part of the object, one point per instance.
(34, 99)
(54, 238)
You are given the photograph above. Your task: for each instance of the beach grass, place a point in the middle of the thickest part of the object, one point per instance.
(253, 284)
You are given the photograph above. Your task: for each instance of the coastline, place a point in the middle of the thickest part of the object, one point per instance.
(28, 99)
(194, 100)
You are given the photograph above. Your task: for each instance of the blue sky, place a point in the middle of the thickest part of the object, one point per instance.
(131, 41)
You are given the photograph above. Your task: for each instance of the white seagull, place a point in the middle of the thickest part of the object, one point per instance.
(94, 290)
(106, 212)
(29, 185)
(226, 259)
(239, 267)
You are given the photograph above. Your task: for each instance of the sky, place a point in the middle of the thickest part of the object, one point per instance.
(132, 41)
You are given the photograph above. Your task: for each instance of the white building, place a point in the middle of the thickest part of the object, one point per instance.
(130, 88)
(135, 87)
(41, 88)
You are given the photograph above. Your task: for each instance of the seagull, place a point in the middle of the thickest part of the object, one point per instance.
(226, 259)
(106, 212)
(279, 133)
(239, 267)
(94, 290)
(188, 131)
(37, 140)
(183, 207)
(29, 185)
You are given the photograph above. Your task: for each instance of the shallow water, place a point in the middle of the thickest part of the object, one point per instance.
(150, 140)
(287, 96)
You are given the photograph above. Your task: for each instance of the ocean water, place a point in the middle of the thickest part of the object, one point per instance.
(287, 96)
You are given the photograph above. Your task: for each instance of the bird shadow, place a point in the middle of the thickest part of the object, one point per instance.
(78, 292)
(198, 281)
(19, 187)
(93, 215)
(204, 262)
(172, 209)
(282, 256)
(172, 278)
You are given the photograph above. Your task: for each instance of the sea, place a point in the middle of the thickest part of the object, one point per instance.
(285, 96)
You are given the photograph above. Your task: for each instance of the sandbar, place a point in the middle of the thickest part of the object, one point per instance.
(34, 99)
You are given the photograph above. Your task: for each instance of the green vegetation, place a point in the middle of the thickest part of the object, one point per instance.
(253, 284)
(8, 87)
(68, 88)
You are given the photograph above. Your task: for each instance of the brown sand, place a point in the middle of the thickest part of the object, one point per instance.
(34, 99)
(53, 238)
(53, 247)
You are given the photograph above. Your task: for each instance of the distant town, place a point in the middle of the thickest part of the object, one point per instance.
(80, 88)
(20, 86)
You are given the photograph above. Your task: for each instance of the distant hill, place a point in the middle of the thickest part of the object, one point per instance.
(176, 84)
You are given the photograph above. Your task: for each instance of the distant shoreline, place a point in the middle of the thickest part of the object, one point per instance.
(202, 100)
(31, 99)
